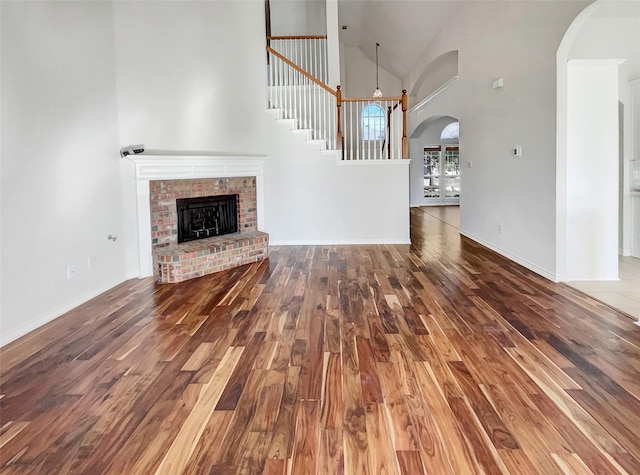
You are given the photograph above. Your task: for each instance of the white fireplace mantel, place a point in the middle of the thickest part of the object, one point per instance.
(161, 165)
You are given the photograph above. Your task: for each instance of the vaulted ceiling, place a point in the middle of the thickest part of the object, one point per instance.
(404, 28)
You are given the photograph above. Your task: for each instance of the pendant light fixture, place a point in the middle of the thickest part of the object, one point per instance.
(377, 92)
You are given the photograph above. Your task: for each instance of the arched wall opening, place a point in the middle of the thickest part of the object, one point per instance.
(427, 134)
(594, 79)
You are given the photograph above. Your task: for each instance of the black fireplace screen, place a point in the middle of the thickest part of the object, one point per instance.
(206, 216)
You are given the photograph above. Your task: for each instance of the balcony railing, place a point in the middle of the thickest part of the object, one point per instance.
(362, 128)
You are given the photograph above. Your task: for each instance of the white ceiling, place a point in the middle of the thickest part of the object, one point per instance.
(404, 28)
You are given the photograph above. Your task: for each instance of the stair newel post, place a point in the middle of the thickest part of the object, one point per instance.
(339, 131)
(405, 142)
(389, 133)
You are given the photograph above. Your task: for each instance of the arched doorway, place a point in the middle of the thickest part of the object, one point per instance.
(593, 151)
(598, 93)
(435, 167)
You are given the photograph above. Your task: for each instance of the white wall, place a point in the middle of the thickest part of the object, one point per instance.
(310, 199)
(518, 193)
(592, 159)
(190, 75)
(60, 163)
(298, 17)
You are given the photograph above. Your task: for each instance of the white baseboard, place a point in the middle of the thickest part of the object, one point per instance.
(51, 315)
(335, 242)
(519, 260)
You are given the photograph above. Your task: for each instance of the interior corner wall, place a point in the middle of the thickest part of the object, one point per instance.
(188, 79)
(592, 170)
(60, 163)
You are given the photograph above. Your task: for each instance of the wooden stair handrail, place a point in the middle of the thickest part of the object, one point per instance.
(301, 71)
(300, 37)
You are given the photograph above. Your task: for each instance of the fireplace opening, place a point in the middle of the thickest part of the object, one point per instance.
(207, 216)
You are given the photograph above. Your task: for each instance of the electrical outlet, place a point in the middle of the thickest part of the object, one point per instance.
(71, 272)
(340, 223)
(91, 262)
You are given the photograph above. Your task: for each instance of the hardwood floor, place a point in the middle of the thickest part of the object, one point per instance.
(440, 357)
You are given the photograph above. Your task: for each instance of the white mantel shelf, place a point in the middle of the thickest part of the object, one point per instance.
(177, 165)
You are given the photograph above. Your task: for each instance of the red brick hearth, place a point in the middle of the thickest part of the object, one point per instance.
(175, 262)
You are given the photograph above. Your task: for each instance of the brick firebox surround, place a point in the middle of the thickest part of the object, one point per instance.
(163, 195)
(175, 262)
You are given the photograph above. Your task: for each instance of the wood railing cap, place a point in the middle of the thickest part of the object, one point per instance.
(297, 37)
(371, 99)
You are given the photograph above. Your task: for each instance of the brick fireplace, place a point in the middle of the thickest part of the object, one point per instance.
(176, 262)
(163, 177)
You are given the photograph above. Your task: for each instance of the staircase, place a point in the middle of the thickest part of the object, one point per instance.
(360, 196)
(298, 96)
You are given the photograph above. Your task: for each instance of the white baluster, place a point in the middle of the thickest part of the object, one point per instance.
(303, 105)
(278, 66)
(296, 98)
(308, 44)
(355, 137)
(315, 59)
(355, 154)
(322, 114)
(270, 75)
(291, 81)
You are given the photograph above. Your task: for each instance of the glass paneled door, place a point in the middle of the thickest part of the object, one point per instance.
(442, 175)
(432, 172)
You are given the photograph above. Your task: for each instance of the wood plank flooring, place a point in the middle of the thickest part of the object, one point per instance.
(440, 357)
